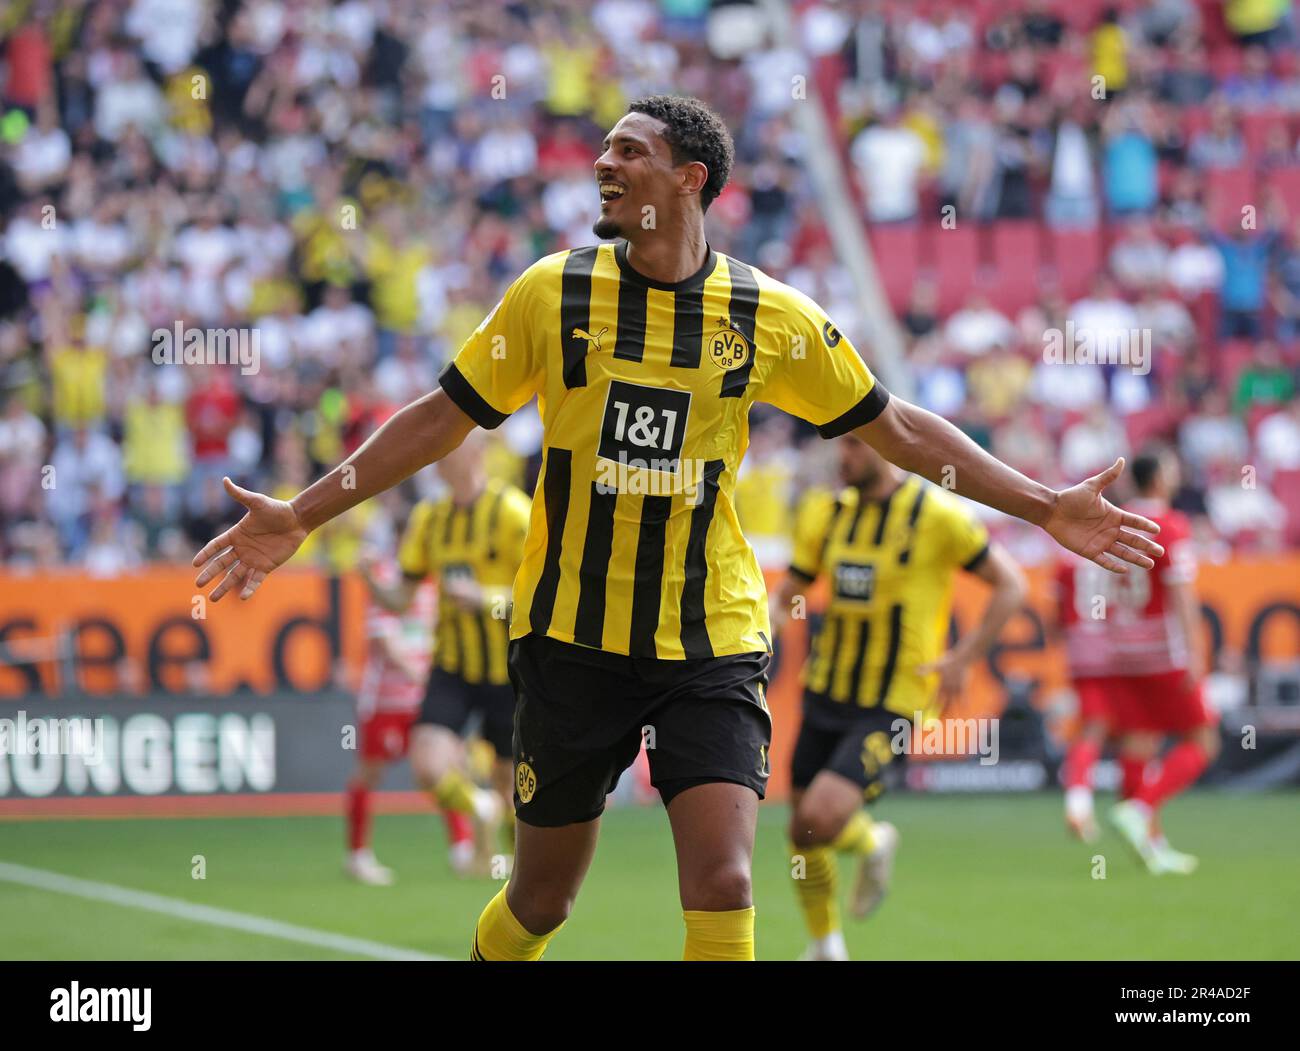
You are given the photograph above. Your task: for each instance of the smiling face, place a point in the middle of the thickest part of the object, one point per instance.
(638, 179)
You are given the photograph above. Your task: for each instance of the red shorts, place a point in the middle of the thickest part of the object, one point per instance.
(1094, 695)
(386, 735)
(1144, 703)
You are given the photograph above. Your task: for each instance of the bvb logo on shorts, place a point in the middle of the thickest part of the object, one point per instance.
(728, 348)
(525, 782)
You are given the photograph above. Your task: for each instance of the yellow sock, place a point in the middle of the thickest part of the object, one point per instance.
(719, 935)
(817, 886)
(857, 837)
(455, 792)
(499, 936)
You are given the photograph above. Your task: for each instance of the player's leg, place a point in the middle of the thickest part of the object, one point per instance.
(503, 775)
(550, 865)
(361, 863)
(713, 833)
(1076, 773)
(819, 815)
(709, 759)
(571, 740)
(814, 870)
(1171, 706)
(497, 706)
(1138, 747)
(439, 762)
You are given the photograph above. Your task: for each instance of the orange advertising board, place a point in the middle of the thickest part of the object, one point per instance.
(152, 631)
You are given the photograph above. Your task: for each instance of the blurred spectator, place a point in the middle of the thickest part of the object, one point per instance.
(351, 183)
(1245, 258)
(1129, 167)
(890, 158)
(978, 327)
(1265, 381)
(1219, 145)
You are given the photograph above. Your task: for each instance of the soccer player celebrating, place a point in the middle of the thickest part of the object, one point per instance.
(1158, 648)
(639, 603)
(471, 542)
(388, 699)
(890, 545)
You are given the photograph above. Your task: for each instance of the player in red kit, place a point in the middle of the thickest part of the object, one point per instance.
(388, 700)
(1081, 595)
(1158, 649)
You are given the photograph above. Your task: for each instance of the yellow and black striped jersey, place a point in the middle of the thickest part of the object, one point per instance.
(644, 390)
(890, 567)
(484, 541)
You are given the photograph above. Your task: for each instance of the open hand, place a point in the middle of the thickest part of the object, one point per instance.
(263, 540)
(1088, 524)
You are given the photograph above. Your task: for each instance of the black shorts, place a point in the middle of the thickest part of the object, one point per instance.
(581, 715)
(452, 702)
(851, 741)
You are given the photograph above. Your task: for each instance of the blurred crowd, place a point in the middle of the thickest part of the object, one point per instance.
(355, 182)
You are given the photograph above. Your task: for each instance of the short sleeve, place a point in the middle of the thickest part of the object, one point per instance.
(811, 524)
(499, 368)
(820, 377)
(966, 541)
(413, 553)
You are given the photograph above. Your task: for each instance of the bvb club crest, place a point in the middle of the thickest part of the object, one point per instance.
(525, 782)
(728, 348)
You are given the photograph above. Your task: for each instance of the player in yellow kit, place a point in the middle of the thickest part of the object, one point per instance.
(889, 545)
(471, 542)
(639, 602)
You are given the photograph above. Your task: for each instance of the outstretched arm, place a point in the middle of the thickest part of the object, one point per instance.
(1078, 518)
(272, 530)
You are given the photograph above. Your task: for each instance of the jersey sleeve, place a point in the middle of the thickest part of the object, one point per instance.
(413, 553)
(812, 522)
(499, 368)
(965, 540)
(819, 376)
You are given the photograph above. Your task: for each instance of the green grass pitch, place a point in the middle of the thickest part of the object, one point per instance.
(977, 878)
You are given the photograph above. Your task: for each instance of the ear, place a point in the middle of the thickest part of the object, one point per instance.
(694, 175)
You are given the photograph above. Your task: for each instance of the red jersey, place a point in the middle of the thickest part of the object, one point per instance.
(385, 685)
(1081, 608)
(1126, 625)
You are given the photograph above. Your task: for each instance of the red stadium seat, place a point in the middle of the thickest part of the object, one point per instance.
(1229, 359)
(1077, 258)
(1227, 192)
(1256, 127)
(897, 250)
(1151, 423)
(1195, 120)
(1225, 62)
(1016, 248)
(1285, 183)
(955, 255)
(1286, 487)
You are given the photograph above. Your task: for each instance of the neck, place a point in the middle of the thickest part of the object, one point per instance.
(465, 493)
(884, 484)
(669, 255)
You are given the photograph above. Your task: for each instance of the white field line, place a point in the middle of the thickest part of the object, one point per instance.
(92, 890)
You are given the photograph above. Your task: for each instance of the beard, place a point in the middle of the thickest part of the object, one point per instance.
(863, 478)
(607, 228)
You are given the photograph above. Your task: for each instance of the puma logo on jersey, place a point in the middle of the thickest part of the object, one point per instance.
(593, 342)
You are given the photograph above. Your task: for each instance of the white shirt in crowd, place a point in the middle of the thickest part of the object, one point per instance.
(889, 162)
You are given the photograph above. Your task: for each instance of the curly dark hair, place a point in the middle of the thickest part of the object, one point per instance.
(695, 133)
